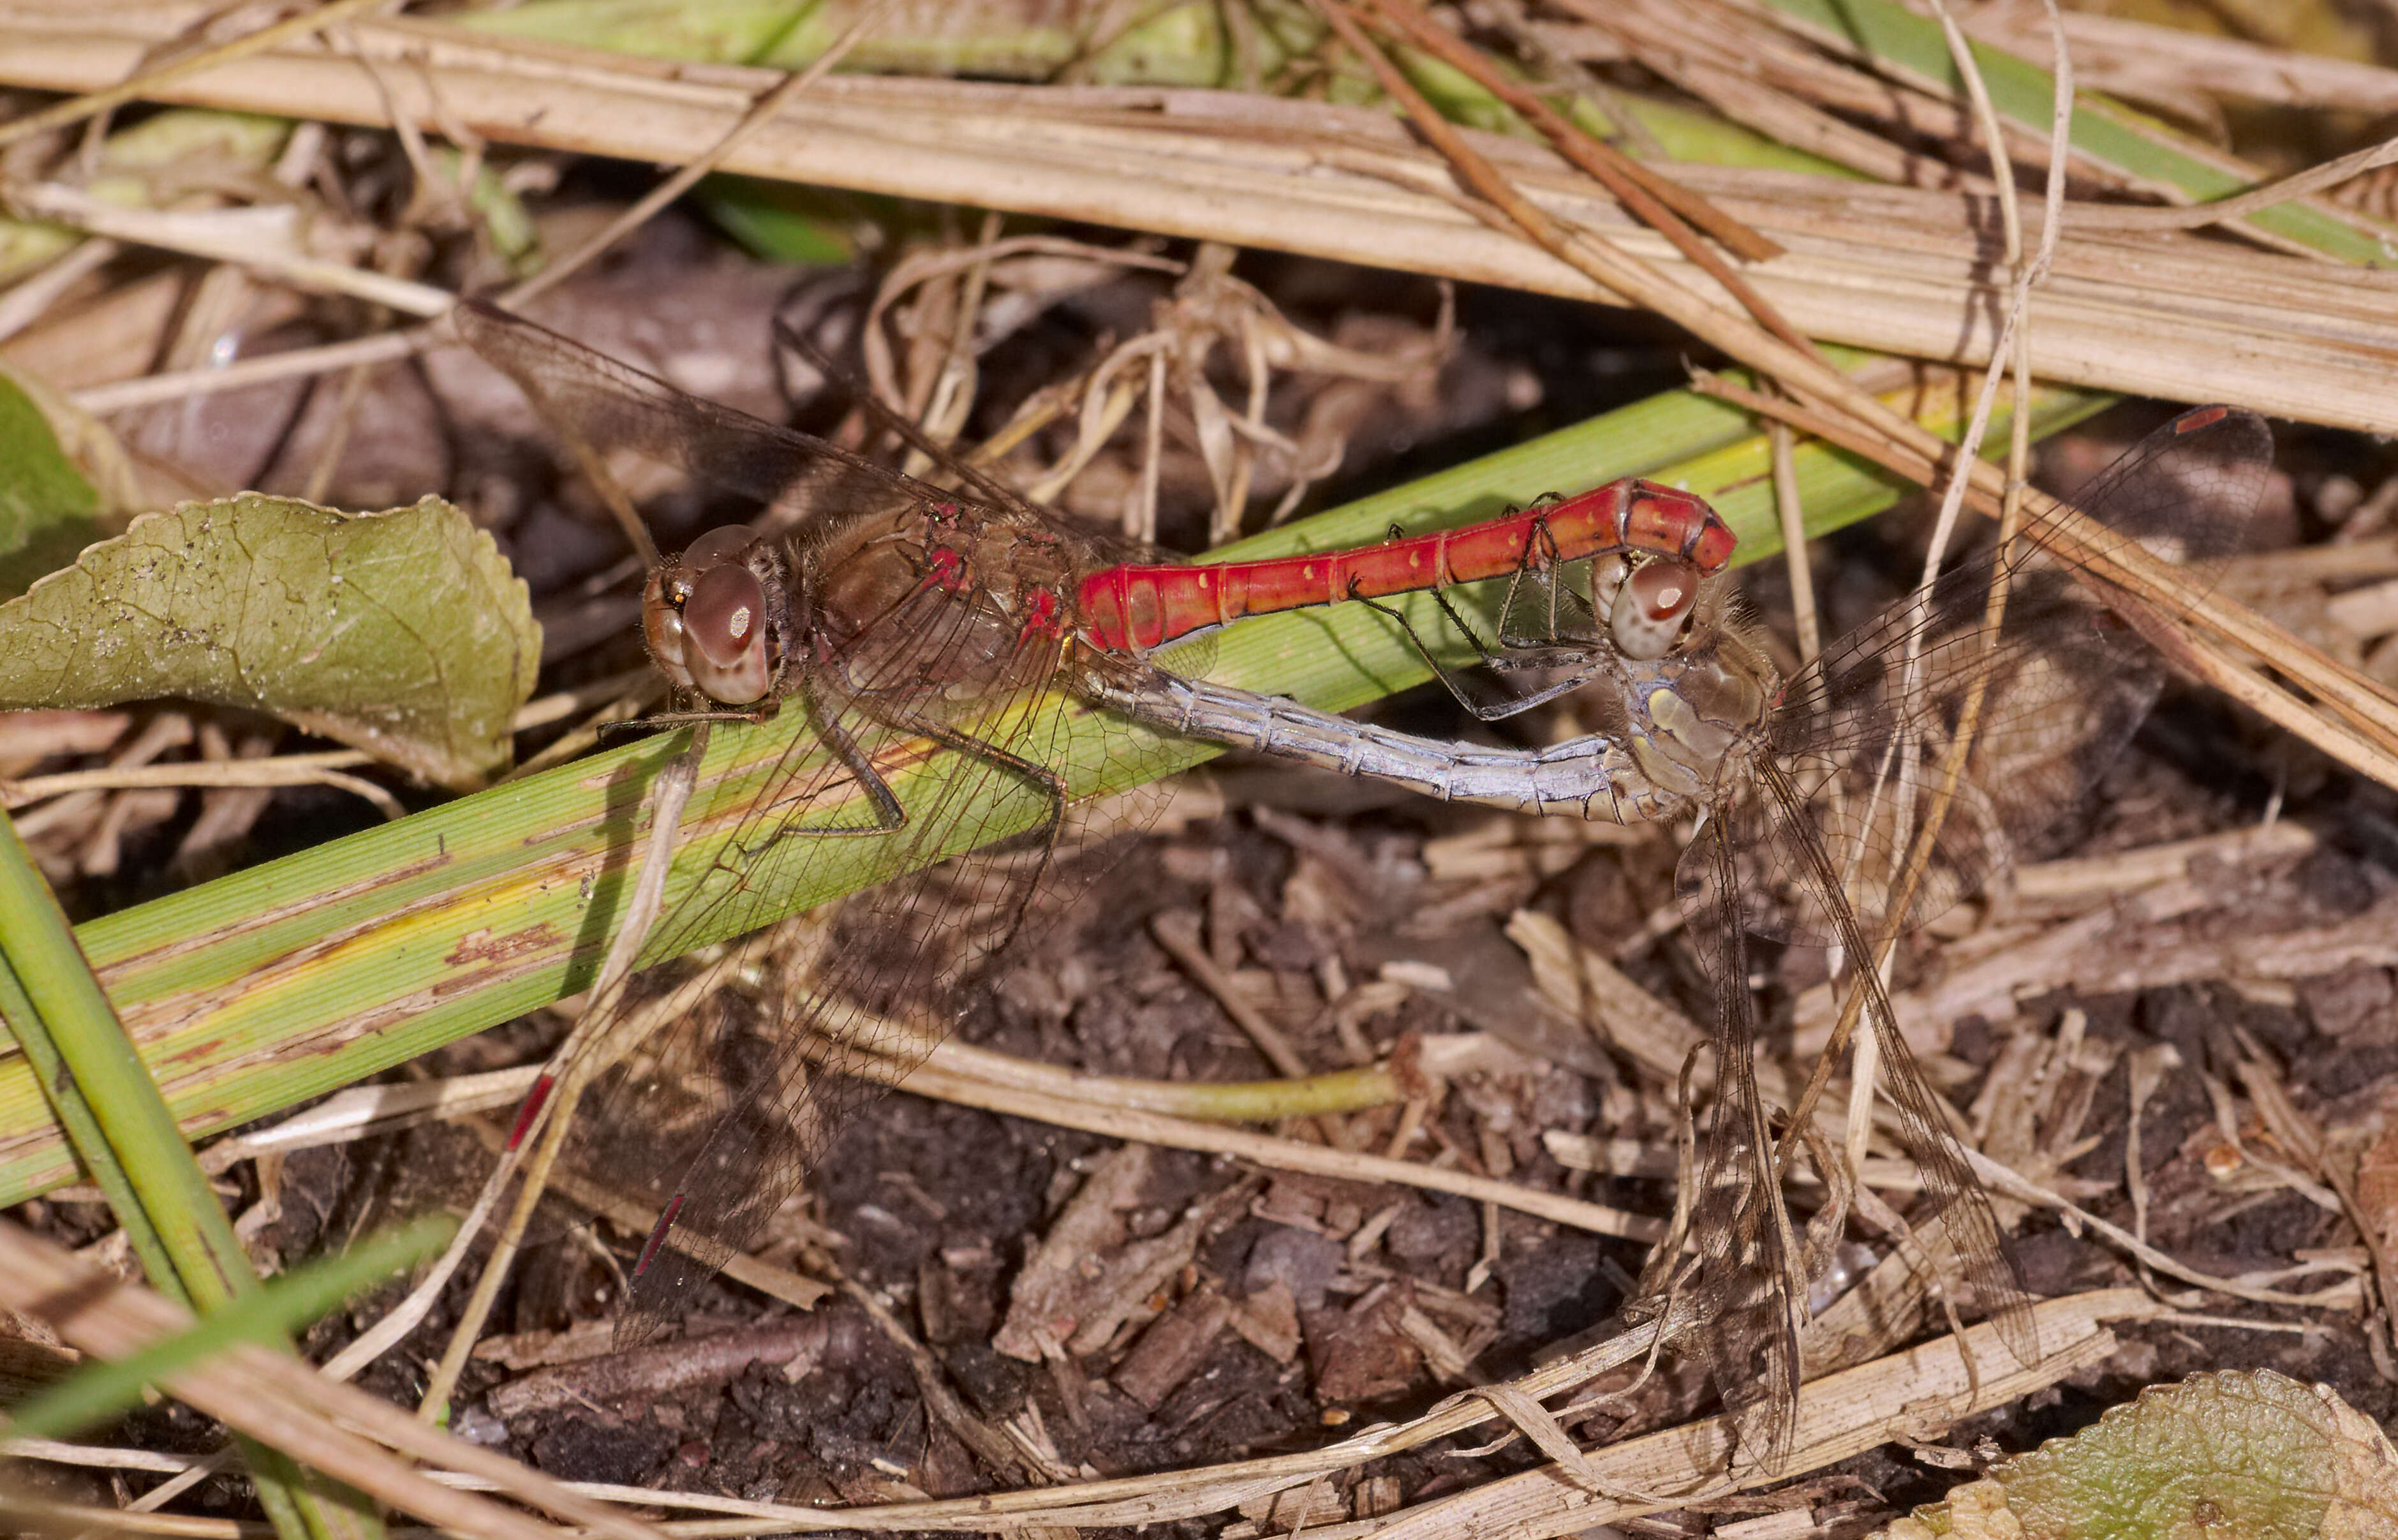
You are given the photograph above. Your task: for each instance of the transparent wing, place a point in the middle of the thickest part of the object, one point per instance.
(612, 404)
(1750, 1280)
(715, 1123)
(938, 729)
(2053, 695)
(1807, 838)
(1752, 1276)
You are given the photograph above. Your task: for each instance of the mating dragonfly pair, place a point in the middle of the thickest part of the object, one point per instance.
(897, 613)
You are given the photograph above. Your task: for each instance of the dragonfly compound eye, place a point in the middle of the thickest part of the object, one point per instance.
(724, 636)
(1648, 612)
(725, 544)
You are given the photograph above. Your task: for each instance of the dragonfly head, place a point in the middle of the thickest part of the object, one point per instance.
(717, 619)
(1697, 681)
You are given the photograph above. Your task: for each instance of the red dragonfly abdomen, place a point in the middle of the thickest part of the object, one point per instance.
(1135, 608)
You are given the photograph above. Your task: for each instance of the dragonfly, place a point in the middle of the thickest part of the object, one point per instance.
(898, 614)
(1819, 800)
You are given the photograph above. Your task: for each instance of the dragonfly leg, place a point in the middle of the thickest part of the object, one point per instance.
(1485, 711)
(1052, 785)
(1541, 556)
(1583, 663)
(890, 816)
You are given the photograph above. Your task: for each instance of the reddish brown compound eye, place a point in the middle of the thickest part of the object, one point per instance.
(1652, 608)
(724, 636)
(726, 543)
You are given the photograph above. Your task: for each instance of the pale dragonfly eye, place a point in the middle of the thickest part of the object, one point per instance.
(1652, 608)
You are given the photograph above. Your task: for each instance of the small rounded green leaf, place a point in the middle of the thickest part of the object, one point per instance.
(2253, 1454)
(401, 633)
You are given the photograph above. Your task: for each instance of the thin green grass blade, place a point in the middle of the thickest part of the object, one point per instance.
(296, 978)
(1909, 45)
(64, 1019)
(269, 1314)
(83, 1133)
(68, 1023)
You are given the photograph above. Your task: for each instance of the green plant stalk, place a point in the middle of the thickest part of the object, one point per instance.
(94, 1062)
(1182, 46)
(295, 978)
(82, 1129)
(268, 1315)
(65, 1021)
(1910, 46)
(1179, 46)
(2108, 133)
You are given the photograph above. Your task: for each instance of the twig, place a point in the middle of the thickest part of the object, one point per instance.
(260, 237)
(930, 1079)
(2152, 580)
(1658, 201)
(673, 187)
(281, 770)
(77, 110)
(183, 384)
(599, 1040)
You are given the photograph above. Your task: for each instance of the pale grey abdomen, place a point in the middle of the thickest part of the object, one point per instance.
(1590, 777)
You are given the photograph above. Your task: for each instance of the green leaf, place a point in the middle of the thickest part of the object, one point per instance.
(2253, 1454)
(49, 510)
(784, 222)
(401, 633)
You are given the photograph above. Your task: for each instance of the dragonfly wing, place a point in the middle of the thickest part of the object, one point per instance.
(1855, 766)
(1953, 1196)
(2049, 699)
(1753, 1274)
(724, 1113)
(612, 405)
(715, 1121)
(1750, 1280)
(1866, 739)
(855, 391)
(2189, 492)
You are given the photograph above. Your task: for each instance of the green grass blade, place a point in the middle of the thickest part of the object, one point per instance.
(63, 1019)
(68, 1023)
(1910, 45)
(268, 1315)
(82, 1132)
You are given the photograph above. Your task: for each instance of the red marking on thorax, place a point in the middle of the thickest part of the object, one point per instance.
(945, 569)
(1044, 614)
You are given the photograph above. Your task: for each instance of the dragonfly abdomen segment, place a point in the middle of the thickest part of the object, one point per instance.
(1593, 777)
(1134, 608)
